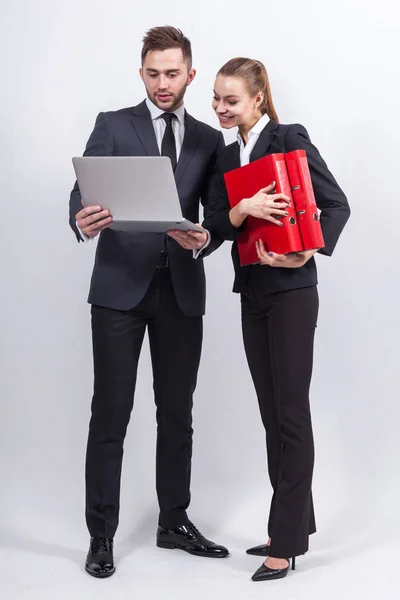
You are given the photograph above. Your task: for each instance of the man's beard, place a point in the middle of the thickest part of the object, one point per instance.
(176, 99)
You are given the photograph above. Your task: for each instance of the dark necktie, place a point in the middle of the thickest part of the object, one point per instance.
(168, 146)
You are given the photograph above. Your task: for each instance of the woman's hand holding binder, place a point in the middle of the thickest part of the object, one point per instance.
(263, 205)
(293, 260)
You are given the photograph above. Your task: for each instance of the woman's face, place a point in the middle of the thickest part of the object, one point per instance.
(232, 103)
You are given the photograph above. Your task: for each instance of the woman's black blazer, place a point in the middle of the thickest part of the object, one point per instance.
(329, 197)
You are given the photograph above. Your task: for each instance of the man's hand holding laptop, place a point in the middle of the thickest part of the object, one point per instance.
(92, 219)
(190, 240)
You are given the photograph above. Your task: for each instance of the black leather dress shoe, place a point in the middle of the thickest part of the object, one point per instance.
(258, 550)
(100, 560)
(267, 574)
(188, 538)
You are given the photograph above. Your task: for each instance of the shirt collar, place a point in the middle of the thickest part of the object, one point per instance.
(255, 130)
(156, 112)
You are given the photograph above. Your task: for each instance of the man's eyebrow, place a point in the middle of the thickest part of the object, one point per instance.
(167, 71)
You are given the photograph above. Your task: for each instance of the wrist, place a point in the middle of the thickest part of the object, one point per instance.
(203, 241)
(310, 253)
(243, 207)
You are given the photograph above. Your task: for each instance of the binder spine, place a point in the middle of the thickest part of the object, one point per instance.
(304, 200)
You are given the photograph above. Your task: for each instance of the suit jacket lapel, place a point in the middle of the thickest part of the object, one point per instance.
(230, 158)
(264, 141)
(141, 121)
(190, 142)
(234, 157)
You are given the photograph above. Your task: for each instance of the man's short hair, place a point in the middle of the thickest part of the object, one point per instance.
(163, 38)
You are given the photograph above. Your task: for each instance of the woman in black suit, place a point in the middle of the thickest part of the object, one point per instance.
(279, 302)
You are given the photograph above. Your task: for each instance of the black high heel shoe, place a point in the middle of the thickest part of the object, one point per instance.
(267, 574)
(262, 550)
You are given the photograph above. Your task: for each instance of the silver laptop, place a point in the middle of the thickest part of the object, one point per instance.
(139, 191)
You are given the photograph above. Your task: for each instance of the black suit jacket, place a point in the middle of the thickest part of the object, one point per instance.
(329, 197)
(125, 262)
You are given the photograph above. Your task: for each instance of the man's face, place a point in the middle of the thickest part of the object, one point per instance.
(166, 76)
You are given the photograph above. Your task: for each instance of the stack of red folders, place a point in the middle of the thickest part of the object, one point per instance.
(301, 229)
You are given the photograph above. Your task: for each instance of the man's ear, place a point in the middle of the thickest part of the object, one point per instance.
(191, 76)
(141, 73)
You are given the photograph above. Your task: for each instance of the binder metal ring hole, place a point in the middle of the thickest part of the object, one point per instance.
(315, 216)
(292, 221)
(294, 188)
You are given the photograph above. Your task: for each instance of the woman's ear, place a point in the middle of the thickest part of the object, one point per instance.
(258, 100)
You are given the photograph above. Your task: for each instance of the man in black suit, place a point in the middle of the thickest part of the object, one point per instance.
(153, 281)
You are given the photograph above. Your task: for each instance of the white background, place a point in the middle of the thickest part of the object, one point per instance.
(333, 67)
